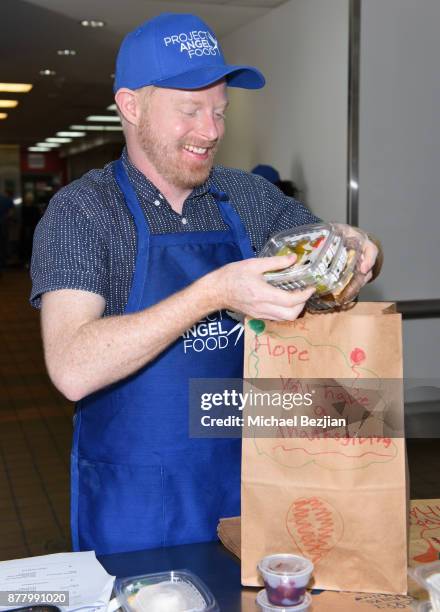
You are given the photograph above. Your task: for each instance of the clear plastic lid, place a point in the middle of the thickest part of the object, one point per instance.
(326, 259)
(428, 576)
(174, 591)
(286, 565)
(424, 606)
(266, 606)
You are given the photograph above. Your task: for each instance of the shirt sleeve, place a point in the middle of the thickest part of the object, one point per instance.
(69, 251)
(285, 212)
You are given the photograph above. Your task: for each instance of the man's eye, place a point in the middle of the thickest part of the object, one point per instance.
(220, 115)
(189, 112)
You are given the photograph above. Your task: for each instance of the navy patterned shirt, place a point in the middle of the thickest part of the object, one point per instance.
(87, 238)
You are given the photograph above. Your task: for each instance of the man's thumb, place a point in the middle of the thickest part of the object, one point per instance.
(273, 264)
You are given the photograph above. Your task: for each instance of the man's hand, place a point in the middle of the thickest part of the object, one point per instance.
(241, 287)
(368, 267)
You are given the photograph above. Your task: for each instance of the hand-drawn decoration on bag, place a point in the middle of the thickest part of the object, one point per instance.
(315, 526)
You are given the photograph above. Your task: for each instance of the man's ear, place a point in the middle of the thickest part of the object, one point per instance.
(128, 105)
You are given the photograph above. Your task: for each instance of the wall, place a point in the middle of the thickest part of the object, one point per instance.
(399, 160)
(97, 157)
(399, 155)
(51, 163)
(298, 122)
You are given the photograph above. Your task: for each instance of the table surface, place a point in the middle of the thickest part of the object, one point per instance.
(210, 561)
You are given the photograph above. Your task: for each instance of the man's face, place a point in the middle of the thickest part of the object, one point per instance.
(180, 130)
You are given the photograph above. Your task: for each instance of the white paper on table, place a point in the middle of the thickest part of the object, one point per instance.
(79, 573)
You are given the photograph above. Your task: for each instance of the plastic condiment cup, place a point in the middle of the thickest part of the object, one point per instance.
(285, 577)
(266, 606)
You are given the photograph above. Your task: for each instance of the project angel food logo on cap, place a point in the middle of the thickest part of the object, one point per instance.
(195, 43)
(211, 334)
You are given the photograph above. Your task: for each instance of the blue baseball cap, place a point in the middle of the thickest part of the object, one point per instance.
(178, 51)
(267, 172)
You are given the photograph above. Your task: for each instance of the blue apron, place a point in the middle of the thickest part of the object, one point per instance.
(138, 481)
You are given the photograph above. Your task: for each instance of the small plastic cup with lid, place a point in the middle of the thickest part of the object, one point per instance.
(266, 606)
(285, 577)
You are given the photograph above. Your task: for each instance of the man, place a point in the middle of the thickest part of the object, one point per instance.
(131, 257)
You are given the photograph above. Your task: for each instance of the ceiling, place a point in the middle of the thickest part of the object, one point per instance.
(31, 32)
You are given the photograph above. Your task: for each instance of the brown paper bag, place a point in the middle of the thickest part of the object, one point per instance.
(341, 502)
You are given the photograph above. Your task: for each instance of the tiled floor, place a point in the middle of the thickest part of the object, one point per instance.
(35, 437)
(35, 434)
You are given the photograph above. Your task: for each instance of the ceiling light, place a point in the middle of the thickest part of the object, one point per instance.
(110, 118)
(51, 145)
(92, 23)
(3, 115)
(8, 103)
(38, 149)
(66, 52)
(96, 128)
(47, 72)
(86, 127)
(60, 140)
(15, 87)
(112, 107)
(71, 134)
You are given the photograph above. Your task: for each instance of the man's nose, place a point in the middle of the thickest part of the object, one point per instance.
(210, 127)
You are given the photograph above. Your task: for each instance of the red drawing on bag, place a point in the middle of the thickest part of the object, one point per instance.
(315, 526)
(266, 345)
(339, 454)
(357, 356)
(428, 518)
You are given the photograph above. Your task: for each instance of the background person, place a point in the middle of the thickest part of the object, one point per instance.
(6, 208)
(271, 174)
(30, 216)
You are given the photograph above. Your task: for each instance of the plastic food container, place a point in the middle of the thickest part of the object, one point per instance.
(266, 606)
(175, 591)
(326, 260)
(425, 606)
(285, 578)
(428, 576)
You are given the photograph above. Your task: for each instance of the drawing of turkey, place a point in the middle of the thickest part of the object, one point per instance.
(428, 518)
